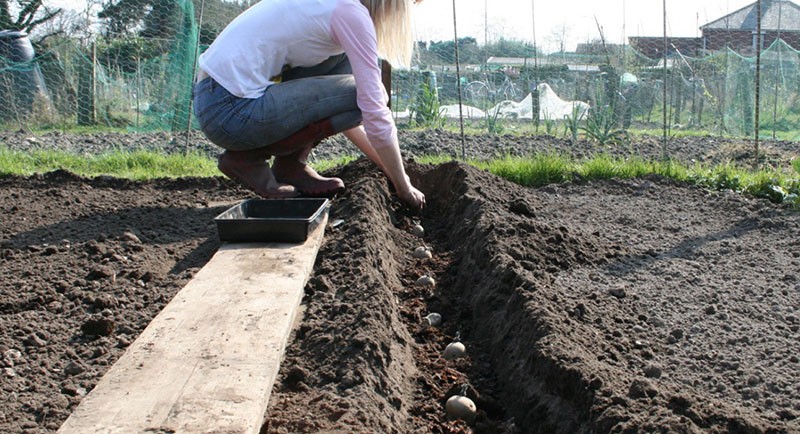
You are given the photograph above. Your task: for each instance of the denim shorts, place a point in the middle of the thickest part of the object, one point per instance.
(304, 95)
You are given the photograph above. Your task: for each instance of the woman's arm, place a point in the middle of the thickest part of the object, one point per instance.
(393, 168)
(359, 137)
(352, 28)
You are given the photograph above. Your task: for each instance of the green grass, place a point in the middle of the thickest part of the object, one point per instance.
(323, 165)
(138, 165)
(534, 171)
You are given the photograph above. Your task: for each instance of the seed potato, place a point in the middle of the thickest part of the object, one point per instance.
(422, 252)
(432, 319)
(426, 281)
(454, 350)
(461, 407)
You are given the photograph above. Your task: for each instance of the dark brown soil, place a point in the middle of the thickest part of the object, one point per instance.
(617, 306)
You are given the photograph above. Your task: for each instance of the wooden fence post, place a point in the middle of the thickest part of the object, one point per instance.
(386, 77)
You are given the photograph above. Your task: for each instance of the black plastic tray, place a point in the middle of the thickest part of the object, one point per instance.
(265, 220)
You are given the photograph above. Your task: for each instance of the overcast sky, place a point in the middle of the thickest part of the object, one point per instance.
(571, 21)
(574, 21)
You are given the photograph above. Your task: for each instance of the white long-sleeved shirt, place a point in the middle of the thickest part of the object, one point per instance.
(255, 47)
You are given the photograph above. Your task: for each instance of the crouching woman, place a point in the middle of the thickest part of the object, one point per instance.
(286, 74)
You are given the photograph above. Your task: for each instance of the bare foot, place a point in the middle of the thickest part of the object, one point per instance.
(305, 179)
(255, 175)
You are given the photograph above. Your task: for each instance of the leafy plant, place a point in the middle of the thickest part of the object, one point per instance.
(776, 193)
(494, 123)
(427, 111)
(572, 123)
(600, 126)
(549, 125)
(774, 187)
(722, 177)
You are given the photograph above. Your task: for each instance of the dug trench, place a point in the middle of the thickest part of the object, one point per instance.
(365, 360)
(569, 324)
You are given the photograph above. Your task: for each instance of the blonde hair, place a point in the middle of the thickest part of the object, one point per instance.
(393, 27)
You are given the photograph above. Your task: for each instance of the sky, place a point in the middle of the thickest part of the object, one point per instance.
(567, 21)
(556, 22)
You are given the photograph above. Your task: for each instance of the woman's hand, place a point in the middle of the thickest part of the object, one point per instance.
(412, 197)
(389, 160)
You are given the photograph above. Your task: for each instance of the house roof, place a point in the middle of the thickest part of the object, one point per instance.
(520, 61)
(781, 15)
(493, 60)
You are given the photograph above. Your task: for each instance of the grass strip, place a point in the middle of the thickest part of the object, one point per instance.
(532, 171)
(137, 165)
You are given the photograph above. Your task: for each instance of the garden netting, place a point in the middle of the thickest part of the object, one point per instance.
(136, 73)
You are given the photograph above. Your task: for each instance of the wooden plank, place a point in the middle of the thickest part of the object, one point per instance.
(208, 361)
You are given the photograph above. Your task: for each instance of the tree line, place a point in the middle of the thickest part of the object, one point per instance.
(469, 52)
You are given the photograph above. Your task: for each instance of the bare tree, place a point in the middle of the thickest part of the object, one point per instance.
(69, 23)
(558, 37)
(24, 15)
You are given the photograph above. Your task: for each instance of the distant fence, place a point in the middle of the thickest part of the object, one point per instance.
(144, 83)
(715, 93)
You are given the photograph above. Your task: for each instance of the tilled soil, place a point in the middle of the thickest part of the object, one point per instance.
(619, 306)
(616, 306)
